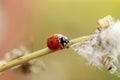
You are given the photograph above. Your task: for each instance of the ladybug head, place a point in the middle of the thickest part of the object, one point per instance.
(64, 41)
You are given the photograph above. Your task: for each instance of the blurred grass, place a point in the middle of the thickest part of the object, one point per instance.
(72, 18)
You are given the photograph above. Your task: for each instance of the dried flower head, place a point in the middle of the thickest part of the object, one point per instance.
(35, 65)
(104, 48)
(16, 53)
(105, 22)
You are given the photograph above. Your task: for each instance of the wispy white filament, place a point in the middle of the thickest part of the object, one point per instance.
(103, 50)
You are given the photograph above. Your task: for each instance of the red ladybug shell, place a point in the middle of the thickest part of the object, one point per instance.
(53, 43)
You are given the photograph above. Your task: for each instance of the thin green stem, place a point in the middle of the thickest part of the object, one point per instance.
(38, 53)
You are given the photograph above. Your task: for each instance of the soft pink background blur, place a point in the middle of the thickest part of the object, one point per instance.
(15, 29)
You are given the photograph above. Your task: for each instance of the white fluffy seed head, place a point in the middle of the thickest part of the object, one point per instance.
(103, 49)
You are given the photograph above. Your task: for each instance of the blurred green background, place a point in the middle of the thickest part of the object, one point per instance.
(73, 18)
(38, 19)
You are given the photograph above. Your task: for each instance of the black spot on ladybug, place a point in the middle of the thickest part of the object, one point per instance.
(51, 42)
(55, 47)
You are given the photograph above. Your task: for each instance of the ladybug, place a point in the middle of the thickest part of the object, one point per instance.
(57, 41)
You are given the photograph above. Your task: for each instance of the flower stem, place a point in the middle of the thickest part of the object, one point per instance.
(38, 53)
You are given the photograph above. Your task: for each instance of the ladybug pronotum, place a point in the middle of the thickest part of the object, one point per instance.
(57, 41)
